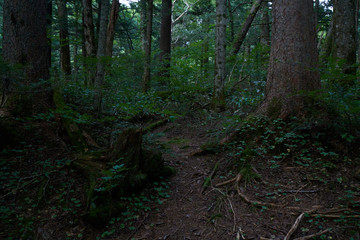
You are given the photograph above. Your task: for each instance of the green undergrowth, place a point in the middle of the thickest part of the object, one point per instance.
(309, 145)
(40, 190)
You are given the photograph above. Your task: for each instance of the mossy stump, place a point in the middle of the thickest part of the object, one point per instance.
(127, 168)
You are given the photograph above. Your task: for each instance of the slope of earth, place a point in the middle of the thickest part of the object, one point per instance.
(217, 196)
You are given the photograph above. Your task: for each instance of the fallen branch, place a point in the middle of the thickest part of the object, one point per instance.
(313, 235)
(333, 216)
(291, 191)
(294, 226)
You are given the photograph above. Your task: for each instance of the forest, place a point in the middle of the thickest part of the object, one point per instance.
(180, 119)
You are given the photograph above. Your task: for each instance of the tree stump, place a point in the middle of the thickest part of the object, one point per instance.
(125, 169)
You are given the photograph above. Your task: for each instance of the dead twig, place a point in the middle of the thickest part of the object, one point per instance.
(313, 235)
(234, 215)
(294, 226)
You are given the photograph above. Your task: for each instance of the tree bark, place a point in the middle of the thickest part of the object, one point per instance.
(64, 38)
(293, 60)
(78, 36)
(220, 56)
(246, 26)
(89, 34)
(100, 67)
(231, 21)
(165, 38)
(25, 42)
(143, 18)
(114, 15)
(89, 37)
(146, 75)
(265, 25)
(344, 41)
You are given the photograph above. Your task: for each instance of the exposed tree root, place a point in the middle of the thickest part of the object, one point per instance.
(235, 179)
(313, 235)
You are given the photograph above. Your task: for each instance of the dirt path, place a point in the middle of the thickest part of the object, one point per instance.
(187, 213)
(220, 213)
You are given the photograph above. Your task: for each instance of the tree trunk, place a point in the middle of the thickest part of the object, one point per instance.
(317, 11)
(64, 38)
(89, 34)
(325, 51)
(220, 56)
(143, 16)
(358, 33)
(231, 21)
(78, 36)
(25, 42)
(100, 67)
(265, 25)
(293, 59)
(344, 42)
(114, 14)
(89, 37)
(165, 38)
(246, 26)
(146, 75)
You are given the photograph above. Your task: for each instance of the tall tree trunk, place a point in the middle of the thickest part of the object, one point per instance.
(220, 56)
(293, 59)
(25, 42)
(100, 67)
(231, 20)
(89, 37)
(146, 75)
(78, 36)
(317, 11)
(325, 51)
(358, 33)
(245, 27)
(344, 43)
(64, 38)
(89, 33)
(49, 28)
(165, 37)
(114, 15)
(265, 25)
(143, 17)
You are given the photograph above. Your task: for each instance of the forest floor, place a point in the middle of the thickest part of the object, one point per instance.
(211, 196)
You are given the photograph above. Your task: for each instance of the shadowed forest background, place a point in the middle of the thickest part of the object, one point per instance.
(179, 119)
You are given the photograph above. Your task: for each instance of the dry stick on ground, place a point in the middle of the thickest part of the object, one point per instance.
(294, 227)
(313, 235)
(296, 224)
